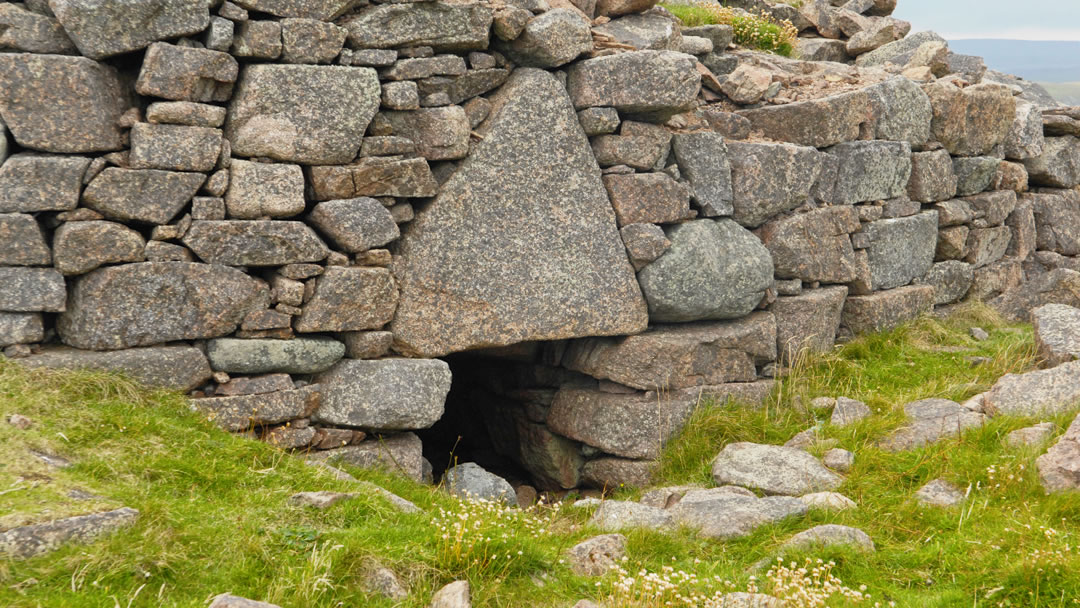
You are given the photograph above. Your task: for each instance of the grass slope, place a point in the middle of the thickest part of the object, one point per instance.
(214, 513)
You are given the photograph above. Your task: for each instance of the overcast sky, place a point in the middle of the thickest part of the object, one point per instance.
(1016, 19)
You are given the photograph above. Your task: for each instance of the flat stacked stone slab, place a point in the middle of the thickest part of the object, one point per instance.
(179, 367)
(384, 394)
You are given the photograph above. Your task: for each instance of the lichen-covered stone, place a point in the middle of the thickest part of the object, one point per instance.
(930, 420)
(22, 243)
(807, 322)
(254, 243)
(768, 179)
(27, 541)
(102, 28)
(773, 469)
(915, 235)
(679, 288)
(177, 367)
(818, 123)
(40, 182)
(950, 279)
(174, 147)
(901, 111)
(355, 225)
(871, 170)
(243, 412)
(21, 328)
(80, 247)
(384, 394)
(1057, 333)
(678, 356)
(261, 356)
(443, 26)
(647, 198)
(259, 190)
(703, 162)
(974, 174)
(655, 84)
(31, 32)
(469, 481)
(438, 133)
(970, 121)
(887, 309)
(324, 10)
(1059, 164)
(24, 289)
(372, 176)
(155, 302)
(349, 299)
(814, 246)
(932, 178)
(185, 113)
(464, 258)
(186, 74)
(550, 40)
(141, 195)
(55, 103)
(302, 113)
(1025, 138)
(310, 41)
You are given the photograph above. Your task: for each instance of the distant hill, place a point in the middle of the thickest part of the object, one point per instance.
(1038, 60)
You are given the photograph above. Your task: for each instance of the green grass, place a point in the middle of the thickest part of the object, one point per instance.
(214, 513)
(758, 32)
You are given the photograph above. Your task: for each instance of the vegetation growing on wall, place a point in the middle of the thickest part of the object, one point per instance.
(761, 31)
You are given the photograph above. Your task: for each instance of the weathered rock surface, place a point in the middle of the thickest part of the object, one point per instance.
(808, 321)
(678, 356)
(871, 170)
(830, 535)
(618, 515)
(815, 246)
(818, 123)
(678, 287)
(550, 40)
(444, 26)
(597, 555)
(727, 515)
(1059, 467)
(21, 328)
(772, 469)
(1057, 333)
(80, 247)
(102, 28)
(463, 259)
(651, 198)
(703, 161)
(915, 235)
(939, 493)
(401, 453)
(932, 178)
(1059, 164)
(28, 541)
(186, 74)
(55, 103)
(179, 367)
(154, 302)
(469, 481)
(655, 84)
(1032, 435)
(243, 412)
(770, 178)
(307, 114)
(323, 10)
(259, 356)
(1059, 286)
(40, 182)
(355, 225)
(259, 190)
(970, 121)
(931, 420)
(629, 425)
(950, 279)
(254, 243)
(25, 289)
(887, 309)
(141, 195)
(384, 394)
(31, 32)
(349, 299)
(1044, 392)
(22, 242)
(828, 501)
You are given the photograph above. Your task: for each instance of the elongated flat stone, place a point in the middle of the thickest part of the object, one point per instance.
(179, 367)
(255, 243)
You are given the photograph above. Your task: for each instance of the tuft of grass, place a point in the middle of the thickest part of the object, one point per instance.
(761, 31)
(214, 515)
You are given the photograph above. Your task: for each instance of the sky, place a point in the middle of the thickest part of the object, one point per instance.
(1013, 19)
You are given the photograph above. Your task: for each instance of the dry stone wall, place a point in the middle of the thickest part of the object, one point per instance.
(299, 210)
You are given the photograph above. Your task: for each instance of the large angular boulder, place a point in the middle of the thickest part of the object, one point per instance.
(103, 28)
(62, 104)
(308, 114)
(178, 367)
(31, 32)
(773, 469)
(871, 170)
(443, 26)
(679, 287)
(818, 123)
(808, 322)
(899, 52)
(651, 84)
(1046, 392)
(1057, 333)
(767, 179)
(632, 425)
(650, 31)
(155, 302)
(261, 356)
(469, 481)
(814, 246)
(384, 394)
(970, 121)
(678, 356)
(479, 268)
(887, 309)
(915, 235)
(254, 243)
